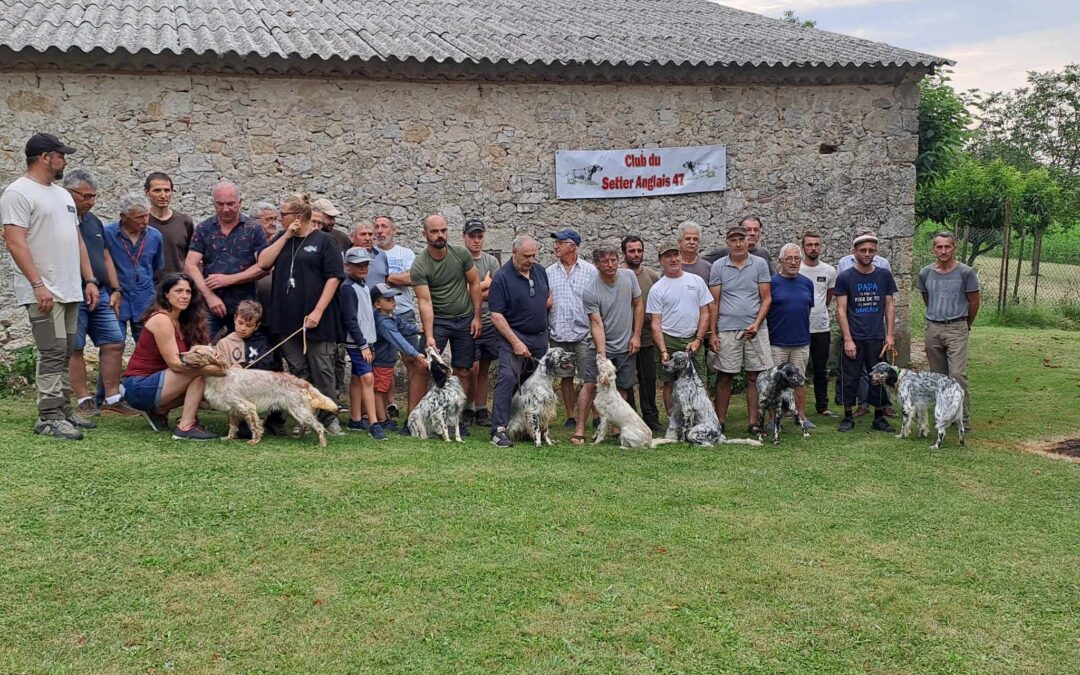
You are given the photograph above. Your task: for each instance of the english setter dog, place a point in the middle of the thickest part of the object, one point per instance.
(249, 393)
(776, 395)
(534, 406)
(613, 409)
(439, 412)
(693, 418)
(916, 391)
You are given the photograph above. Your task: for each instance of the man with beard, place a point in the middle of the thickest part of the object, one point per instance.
(754, 228)
(52, 276)
(823, 276)
(176, 228)
(633, 249)
(325, 214)
(448, 291)
(487, 344)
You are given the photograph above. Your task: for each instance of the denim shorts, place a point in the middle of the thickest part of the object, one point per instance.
(101, 325)
(143, 392)
(459, 334)
(360, 367)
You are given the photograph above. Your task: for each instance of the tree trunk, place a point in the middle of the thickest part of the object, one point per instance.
(1016, 279)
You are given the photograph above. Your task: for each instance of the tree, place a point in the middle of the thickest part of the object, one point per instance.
(943, 128)
(791, 17)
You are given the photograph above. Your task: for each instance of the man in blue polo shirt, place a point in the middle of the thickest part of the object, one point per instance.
(518, 299)
(789, 319)
(138, 253)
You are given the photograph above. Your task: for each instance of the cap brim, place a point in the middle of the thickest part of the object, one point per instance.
(667, 250)
(65, 149)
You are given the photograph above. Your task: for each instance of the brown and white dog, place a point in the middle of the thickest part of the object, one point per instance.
(248, 394)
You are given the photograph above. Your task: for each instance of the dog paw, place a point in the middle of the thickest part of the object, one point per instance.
(806, 434)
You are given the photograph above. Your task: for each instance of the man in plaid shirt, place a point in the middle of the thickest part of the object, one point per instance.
(568, 324)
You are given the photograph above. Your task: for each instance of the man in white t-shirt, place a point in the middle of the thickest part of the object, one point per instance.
(823, 276)
(679, 307)
(52, 268)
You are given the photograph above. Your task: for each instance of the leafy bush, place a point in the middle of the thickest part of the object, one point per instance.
(18, 371)
(1062, 247)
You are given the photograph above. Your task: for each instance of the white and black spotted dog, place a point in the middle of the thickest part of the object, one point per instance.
(535, 405)
(439, 412)
(693, 418)
(776, 396)
(916, 391)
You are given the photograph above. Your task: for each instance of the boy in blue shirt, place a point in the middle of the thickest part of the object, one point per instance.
(392, 331)
(359, 320)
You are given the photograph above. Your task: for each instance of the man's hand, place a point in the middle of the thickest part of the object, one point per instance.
(44, 299)
(115, 299)
(312, 320)
(690, 348)
(366, 353)
(751, 331)
(664, 357)
(714, 343)
(92, 295)
(423, 362)
(217, 307)
(476, 327)
(849, 349)
(890, 343)
(635, 345)
(216, 281)
(521, 350)
(430, 342)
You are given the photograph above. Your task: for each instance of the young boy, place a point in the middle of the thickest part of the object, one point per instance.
(360, 325)
(391, 332)
(247, 342)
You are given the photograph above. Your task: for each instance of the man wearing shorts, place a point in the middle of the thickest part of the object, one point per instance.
(789, 319)
(487, 343)
(568, 324)
(613, 304)
(741, 286)
(448, 291)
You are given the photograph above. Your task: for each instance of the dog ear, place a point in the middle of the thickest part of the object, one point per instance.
(891, 378)
(439, 375)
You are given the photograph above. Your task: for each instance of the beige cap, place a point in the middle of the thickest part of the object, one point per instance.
(326, 206)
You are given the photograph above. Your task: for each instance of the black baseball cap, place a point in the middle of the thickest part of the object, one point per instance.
(474, 225)
(39, 144)
(383, 291)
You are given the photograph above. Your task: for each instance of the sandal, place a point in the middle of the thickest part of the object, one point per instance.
(577, 440)
(753, 430)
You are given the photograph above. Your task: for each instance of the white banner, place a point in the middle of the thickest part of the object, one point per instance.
(602, 174)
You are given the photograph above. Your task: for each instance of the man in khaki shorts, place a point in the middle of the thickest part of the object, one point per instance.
(789, 319)
(741, 287)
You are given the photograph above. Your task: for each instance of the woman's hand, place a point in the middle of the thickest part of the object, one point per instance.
(312, 320)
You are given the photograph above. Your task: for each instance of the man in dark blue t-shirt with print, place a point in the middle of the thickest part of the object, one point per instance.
(866, 312)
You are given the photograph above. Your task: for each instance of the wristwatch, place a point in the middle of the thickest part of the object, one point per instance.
(89, 281)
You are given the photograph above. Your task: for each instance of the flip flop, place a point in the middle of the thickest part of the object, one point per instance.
(577, 440)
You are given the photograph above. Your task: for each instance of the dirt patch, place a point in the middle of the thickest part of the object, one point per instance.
(1067, 449)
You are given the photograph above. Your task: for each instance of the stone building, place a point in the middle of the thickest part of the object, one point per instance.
(410, 107)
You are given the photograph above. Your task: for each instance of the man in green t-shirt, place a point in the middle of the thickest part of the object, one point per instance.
(448, 291)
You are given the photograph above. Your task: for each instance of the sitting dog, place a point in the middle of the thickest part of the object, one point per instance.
(916, 391)
(249, 393)
(535, 404)
(439, 412)
(776, 395)
(693, 418)
(613, 409)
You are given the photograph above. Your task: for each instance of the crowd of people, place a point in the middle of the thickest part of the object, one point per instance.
(282, 287)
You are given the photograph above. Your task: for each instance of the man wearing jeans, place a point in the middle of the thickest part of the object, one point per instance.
(52, 276)
(950, 290)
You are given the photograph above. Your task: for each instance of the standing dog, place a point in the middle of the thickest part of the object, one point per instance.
(613, 409)
(776, 395)
(535, 404)
(248, 393)
(693, 418)
(439, 411)
(916, 391)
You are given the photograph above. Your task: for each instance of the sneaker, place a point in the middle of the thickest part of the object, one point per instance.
(392, 410)
(468, 416)
(195, 433)
(81, 422)
(334, 428)
(58, 429)
(570, 423)
(882, 424)
(862, 410)
(808, 425)
(389, 425)
(88, 408)
(463, 429)
(482, 418)
(827, 413)
(377, 432)
(157, 421)
(404, 431)
(846, 424)
(500, 439)
(120, 408)
(357, 425)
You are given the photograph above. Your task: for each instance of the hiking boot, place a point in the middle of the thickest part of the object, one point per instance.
(357, 425)
(570, 423)
(61, 429)
(195, 433)
(81, 422)
(392, 410)
(468, 416)
(120, 408)
(846, 424)
(882, 424)
(157, 421)
(481, 418)
(377, 432)
(500, 439)
(333, 428)
(88, 408)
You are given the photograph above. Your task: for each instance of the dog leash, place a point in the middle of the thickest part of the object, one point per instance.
(302, 329)
(885, 351)
(741, 335)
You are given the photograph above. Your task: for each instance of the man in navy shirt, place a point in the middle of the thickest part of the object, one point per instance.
(138, 253)
(866, 312)
(789, 319)
(519, 298)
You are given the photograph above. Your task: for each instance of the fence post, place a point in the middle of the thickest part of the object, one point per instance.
(1036, 258)
(1003, 275)
(1016, 279)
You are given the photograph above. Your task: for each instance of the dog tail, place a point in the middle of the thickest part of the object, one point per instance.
(739, 441)
(320, 401)
(656, 442)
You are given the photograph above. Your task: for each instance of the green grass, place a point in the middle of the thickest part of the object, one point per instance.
(129, 552)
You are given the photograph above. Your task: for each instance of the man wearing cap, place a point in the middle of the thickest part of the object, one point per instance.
(519, 298)
(324, 214)
(633, 248)
(222, 257)
(741, 286)
(448, 291)
(754, 228)
(679, 306)
(52, 276)
(866, 312)
(487, 343)
(567, 322)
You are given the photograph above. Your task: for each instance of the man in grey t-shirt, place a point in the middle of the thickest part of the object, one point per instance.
(613, 304)
(487, 343)
(950, 290)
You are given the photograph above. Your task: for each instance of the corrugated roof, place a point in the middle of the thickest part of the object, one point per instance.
(590, 32)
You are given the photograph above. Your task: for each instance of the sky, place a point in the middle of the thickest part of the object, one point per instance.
(994, 43)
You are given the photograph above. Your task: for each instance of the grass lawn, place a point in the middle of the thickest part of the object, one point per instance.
(129, 552)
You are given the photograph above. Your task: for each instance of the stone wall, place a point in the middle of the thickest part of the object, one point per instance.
(828, 157)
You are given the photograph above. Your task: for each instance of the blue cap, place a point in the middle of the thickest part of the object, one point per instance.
(383, 291)
(357, 255)
(567, 235)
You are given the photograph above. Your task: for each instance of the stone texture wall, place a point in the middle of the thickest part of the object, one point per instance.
(484, 150)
